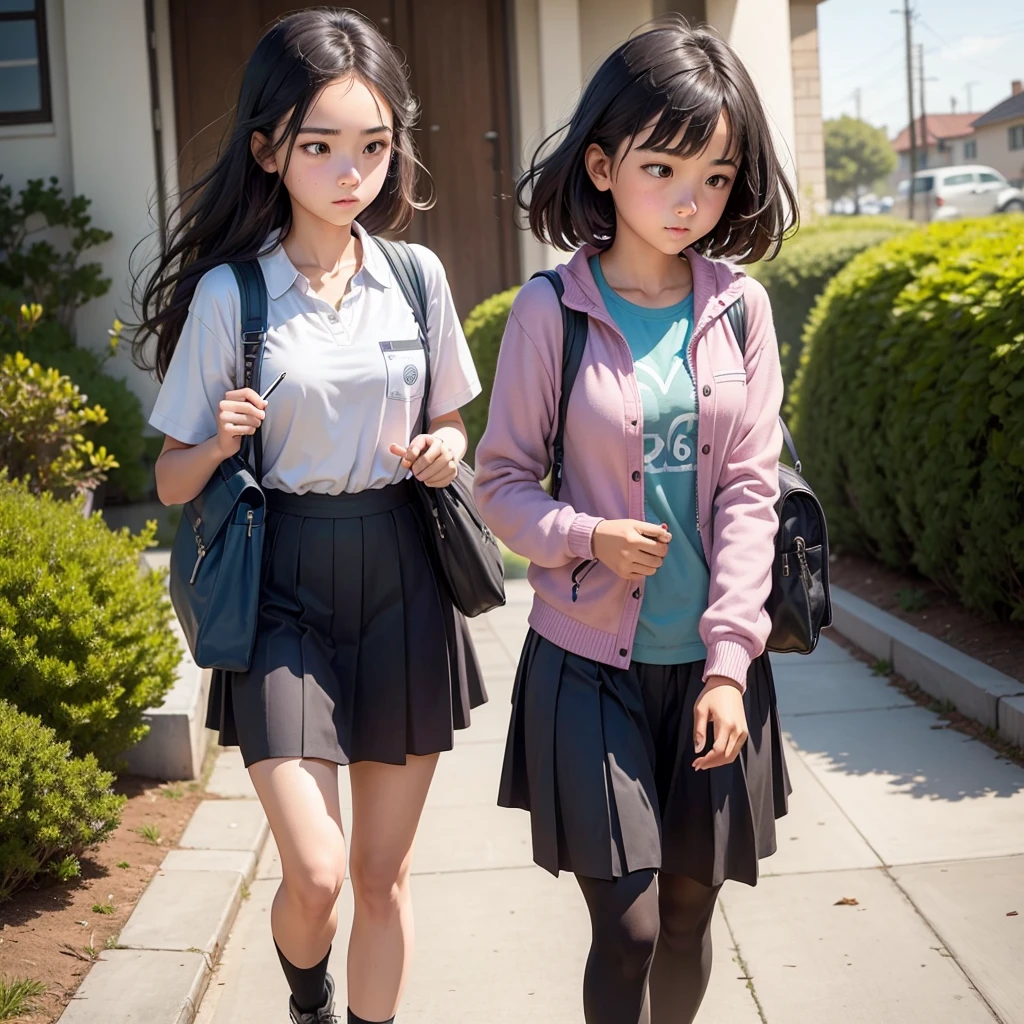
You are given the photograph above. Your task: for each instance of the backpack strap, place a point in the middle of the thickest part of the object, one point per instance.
(408, 275)
(737, 316)
(252, 289)
(574, 341)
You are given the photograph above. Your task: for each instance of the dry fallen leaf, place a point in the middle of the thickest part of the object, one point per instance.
(846, 901)
(1012, 913)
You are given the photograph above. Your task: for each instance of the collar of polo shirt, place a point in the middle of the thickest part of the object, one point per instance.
(280, 273)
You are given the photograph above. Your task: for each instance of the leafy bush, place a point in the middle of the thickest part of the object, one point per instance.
(49, 343)
(53, 806)
(484, 327)
(85, 640)
(38, 271)
(42, 419)
(909, 407)
(798, 275)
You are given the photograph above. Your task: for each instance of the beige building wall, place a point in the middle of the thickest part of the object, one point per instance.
(994, 149)
(809, 134)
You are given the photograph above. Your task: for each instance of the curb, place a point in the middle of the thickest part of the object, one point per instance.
(976, 690)
(169, 947)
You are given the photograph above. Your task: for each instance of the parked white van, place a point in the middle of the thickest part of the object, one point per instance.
(949, 193)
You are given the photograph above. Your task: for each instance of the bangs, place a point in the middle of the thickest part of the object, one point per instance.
(688, 112)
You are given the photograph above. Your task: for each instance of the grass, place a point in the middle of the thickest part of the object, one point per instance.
(912, 600)
(173, 792)
(151, 833)
(882, 668)
(104, 908)
(16, 996)
(124, 864)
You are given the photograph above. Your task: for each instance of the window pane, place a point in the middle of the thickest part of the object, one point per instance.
(17, 6)
(990, 177)
(20, 80)
(924, 184)
(958, 179)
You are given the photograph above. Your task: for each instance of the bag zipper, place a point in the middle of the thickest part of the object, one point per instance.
(801, 557)
(201, 551)
(249, 517)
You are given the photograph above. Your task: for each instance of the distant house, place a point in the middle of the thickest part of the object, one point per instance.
(126, 101)
(999, 136)
(950, 141)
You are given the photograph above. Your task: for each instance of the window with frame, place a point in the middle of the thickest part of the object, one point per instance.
(970, 150)
(24, 68)
(1017, 136)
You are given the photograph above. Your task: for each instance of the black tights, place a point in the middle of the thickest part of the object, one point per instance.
(647, 926)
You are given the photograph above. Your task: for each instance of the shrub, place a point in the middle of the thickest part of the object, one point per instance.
(484, 327)
(53, 806)
(38, 271)
(85, 640)
(909, 408)
(51, 344)
(807, 262)
(42, 420)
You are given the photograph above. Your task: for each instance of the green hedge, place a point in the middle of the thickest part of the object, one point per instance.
(909, 408)
(484, 327)
(53, 806)
(51, 344)
(798, 275)
(85, 638)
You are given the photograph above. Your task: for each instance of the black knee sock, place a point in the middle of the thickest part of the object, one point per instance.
(308, 984)
(353, 1019)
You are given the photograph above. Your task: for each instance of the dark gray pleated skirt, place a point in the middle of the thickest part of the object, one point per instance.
(602, 758)
(359, 653)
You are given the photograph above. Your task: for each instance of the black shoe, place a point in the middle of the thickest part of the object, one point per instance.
(325, 1015)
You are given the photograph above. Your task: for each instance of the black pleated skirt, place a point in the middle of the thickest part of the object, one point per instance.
(602, 758)
(359, 653)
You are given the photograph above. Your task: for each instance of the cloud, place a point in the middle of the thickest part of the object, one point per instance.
(972, 47)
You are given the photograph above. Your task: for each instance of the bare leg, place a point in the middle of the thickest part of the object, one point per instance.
(300, 798)
(387, 801)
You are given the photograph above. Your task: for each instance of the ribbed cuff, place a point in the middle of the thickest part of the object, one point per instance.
(730, 659)
(581, 535)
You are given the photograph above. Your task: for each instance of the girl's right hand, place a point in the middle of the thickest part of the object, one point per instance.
(240, 413)
(630, 548)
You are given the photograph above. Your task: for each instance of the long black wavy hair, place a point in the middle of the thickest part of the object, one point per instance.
(683, 80)
(229, 212)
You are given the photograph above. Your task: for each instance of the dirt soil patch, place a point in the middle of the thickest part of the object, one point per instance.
(921, 603)
(52, 933)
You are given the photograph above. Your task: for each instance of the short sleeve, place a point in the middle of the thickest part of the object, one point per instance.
(202, 368)
(453, 377)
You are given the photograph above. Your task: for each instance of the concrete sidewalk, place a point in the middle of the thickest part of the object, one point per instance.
(920, 825)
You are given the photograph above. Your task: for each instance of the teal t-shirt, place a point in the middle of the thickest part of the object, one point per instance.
(676, 596)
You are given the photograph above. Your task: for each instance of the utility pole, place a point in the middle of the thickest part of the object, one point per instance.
(969, 86)
(952, 104)
(908, 19)
(856, 100)
(924, 123)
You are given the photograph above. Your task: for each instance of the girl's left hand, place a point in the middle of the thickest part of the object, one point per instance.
(720, 702)
(432, 462)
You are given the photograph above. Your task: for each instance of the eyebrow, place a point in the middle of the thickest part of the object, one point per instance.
(725, 163)
(337, 131)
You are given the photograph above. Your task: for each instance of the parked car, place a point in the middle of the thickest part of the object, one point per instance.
(948, 193)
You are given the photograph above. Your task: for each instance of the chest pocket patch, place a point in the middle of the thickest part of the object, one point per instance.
(405, 361)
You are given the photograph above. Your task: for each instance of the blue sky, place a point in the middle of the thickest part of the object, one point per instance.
(862, 45)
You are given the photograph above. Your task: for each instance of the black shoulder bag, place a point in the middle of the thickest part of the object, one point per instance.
(464, 548)
(218, 549)
(800, 605)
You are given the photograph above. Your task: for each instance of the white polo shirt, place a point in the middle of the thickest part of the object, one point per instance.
(355, 375)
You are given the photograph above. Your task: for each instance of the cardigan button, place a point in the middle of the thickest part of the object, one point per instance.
(636, 475)
(633, 422)
(623, 652)
(706, 449)
(636, 593)
(707, 390)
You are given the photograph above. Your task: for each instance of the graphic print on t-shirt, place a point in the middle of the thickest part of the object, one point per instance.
(670, 444)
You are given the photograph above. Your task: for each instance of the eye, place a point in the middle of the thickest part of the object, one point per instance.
(718, 180)
(375, 147)
(312, 148)
(658, 170)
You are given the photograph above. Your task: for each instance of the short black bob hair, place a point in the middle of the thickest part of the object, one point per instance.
(683, 80)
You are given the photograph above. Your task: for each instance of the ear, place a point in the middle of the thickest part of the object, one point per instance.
(599, 167)
(263, 153)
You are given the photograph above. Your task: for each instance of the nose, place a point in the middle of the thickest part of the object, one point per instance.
(686, 206)
(348, 175)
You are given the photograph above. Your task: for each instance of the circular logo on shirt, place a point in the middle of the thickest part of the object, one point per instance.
(410, 375)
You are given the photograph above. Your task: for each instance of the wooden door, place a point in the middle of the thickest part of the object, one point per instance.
(459, 70)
